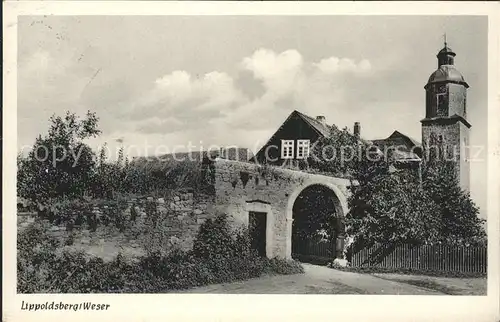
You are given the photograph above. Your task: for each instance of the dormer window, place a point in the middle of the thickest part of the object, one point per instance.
(303, 149)
(287, 149)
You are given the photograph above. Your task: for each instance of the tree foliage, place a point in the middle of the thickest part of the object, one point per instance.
(394, 205)
(458, 213)
(60, 163)
(392, 209)
(61, 166)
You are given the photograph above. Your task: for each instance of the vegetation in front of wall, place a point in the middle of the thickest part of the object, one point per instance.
(219, 255)
(61, 166)
(85, 212)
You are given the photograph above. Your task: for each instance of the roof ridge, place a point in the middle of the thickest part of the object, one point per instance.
(323, 129)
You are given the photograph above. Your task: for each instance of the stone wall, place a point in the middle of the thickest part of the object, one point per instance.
(160, 224)
(244, 187)
(149, 225)
(176, 221)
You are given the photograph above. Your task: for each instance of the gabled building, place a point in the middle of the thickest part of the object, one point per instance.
(445, 128)
(400, 148)
(294, 139)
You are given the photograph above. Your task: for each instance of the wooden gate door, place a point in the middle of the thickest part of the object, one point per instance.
(257, 229)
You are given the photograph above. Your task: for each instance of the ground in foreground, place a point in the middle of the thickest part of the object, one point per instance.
(323, 280)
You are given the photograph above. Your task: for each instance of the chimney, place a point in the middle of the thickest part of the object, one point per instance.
(321, 119)
(357, 129)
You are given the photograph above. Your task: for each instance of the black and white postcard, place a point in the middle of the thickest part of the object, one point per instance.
(250, 160)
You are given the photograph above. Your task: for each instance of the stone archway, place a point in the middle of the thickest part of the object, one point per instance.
(339, 201)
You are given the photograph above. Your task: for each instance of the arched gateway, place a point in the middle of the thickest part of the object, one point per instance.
(334, 203)
(263, 199)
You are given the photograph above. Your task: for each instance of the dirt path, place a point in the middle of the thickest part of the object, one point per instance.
(447, 285)
(318, 280)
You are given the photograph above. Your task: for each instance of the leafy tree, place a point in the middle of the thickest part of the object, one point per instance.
(60, 163)
(110, 176)
(388, 205)
(458, 212)
(345, 155)
(392, 209)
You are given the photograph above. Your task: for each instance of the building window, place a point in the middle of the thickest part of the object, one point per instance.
(303, 149)
(465, 105)
(287, 149)
(441, 105)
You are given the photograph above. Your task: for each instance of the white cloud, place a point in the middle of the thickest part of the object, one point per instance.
(280, 73)
(215, 90)
(291, 83)
(266, 64)
(334, 65)
(175, 87)
(180, 101)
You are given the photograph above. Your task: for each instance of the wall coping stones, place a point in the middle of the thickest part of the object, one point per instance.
(252, 167)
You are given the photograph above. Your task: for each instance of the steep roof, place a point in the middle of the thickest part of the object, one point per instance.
(323, 129)
(408, 147)
(398, 137)
(409, 151)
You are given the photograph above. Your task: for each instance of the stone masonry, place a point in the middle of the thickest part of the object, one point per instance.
(244, 187)
(239, 188)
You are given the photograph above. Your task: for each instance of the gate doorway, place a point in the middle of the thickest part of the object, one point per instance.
(257, 229)
(317, 226)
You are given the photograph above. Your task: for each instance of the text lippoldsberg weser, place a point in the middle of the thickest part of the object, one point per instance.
(86, 306)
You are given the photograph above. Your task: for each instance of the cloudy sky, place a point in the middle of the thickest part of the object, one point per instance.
(232, 80)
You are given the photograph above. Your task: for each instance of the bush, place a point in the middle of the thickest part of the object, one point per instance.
(227, 254)
(36, 251)
(214, 240)
(285, 267)
(219, 255)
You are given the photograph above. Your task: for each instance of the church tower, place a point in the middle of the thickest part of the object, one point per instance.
(445, 129)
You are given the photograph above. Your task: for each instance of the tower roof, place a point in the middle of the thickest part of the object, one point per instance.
(447, 73)
(446, 51)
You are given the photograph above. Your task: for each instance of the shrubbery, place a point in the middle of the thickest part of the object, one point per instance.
(80, 212)
(219, 255)
(62, 165)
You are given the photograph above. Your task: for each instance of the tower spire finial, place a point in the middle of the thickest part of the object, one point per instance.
(445, 43)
